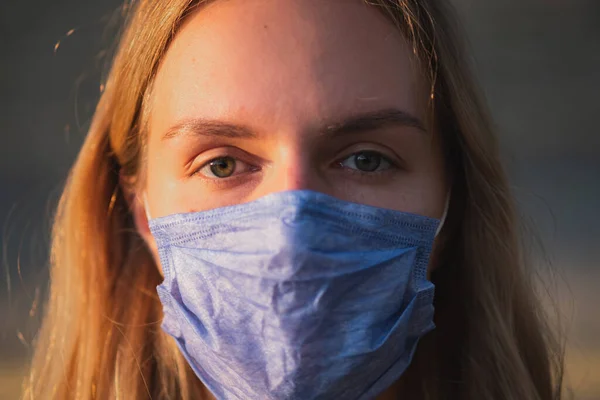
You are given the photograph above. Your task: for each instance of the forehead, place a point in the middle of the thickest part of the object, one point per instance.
(283, 62)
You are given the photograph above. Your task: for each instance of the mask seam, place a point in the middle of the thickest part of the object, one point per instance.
(431, 223)
(338, 224)
(394, 239)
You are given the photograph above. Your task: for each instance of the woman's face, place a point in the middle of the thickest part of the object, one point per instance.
(261, 96)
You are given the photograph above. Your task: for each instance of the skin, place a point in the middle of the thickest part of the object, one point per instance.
(261, 81)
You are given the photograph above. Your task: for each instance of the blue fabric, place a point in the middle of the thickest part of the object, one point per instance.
(297, 295)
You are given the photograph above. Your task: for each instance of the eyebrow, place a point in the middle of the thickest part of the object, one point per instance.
(362, 122)
(374, 120)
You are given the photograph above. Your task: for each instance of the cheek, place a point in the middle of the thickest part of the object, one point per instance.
(164, 182)
(422, 191)
(440, 242)
(434, 260)
(141, 224)
(157, 262)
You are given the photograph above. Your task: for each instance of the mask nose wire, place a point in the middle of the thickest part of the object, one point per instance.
(439, 228)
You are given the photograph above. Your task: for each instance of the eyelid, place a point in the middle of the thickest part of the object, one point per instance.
(204, 159)
(239, 164)
(393, 159)
(212, 154)
(391, 165)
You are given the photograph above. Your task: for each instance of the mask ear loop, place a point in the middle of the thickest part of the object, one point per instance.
(444, 215)
(146, 207)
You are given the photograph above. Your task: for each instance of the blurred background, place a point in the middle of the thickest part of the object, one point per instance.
(539, 65)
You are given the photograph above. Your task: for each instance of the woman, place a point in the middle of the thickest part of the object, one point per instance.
(253, 212)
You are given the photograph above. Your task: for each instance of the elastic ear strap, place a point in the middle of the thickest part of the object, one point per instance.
(444, 215)
(146, 207)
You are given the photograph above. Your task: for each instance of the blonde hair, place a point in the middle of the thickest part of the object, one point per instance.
(101, 335)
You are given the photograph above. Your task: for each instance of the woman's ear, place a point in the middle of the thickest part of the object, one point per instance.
(137, 207)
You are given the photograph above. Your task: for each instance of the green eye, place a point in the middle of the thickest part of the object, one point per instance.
(367, 161)
(222, 167)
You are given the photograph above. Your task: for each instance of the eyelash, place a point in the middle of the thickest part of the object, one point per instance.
(197, 172)
(338, 165)
(368, 174)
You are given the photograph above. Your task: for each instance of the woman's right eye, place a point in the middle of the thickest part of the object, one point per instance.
(224, 167)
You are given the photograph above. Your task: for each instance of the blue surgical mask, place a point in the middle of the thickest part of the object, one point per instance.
(297, 295)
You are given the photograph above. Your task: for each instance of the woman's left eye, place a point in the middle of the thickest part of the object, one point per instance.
(366, 162)
(223, 167)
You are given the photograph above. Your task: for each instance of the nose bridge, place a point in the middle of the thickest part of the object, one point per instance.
(291, 168)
